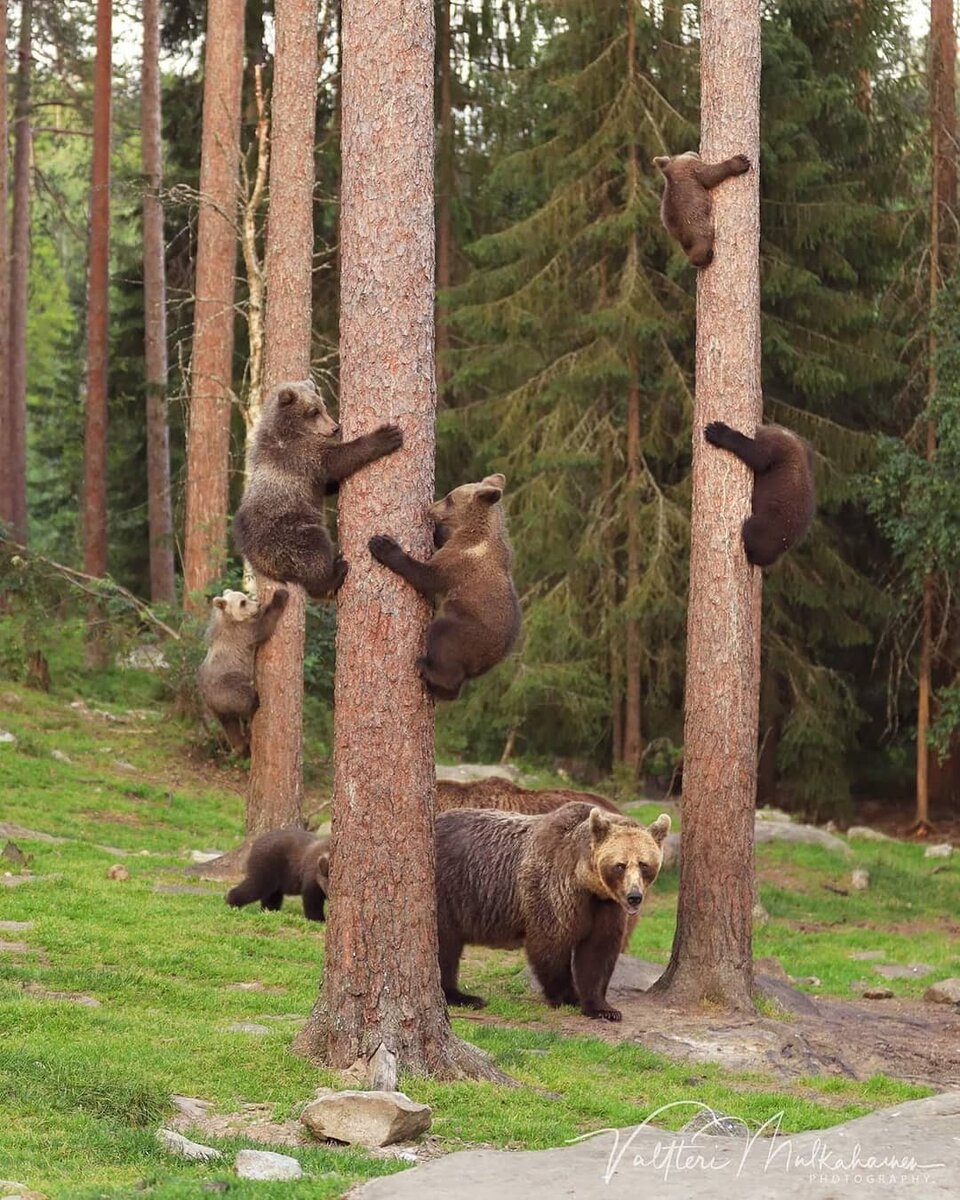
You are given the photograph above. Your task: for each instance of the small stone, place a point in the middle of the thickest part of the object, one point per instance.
(911, 971)
(264, 1164)
(807, 981)
(177, 1144)
(877, 993)
(760, 914)
(191, 1107)
(61, 757)
(947, 991)
(366, 1118)
(122, 765)
(864, 833)
(247, 1027)
(13, 854)
(204, 856)
(944, 850)
(118, 871)
(7, 737)
(14, 948)
(716, 1124)
(41, 993)
(16, 926)
(867, 955)
(859, 880)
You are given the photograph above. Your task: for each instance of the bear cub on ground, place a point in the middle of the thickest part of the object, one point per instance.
(479, 618)
(687, 207)
(562, 885)
(238, 625)
(286, 862)
(784, 495)
(296, 459)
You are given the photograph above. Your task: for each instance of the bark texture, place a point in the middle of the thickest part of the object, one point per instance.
(211, 366)
(445, 179)
(712, 950)
(16, 424)
(98, 287)
(6, 498)
(381, 998)
(159, 507)
(275, 797)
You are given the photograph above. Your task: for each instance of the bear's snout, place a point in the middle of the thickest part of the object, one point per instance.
(634, 900)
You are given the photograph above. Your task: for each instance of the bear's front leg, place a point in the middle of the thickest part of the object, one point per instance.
(421, 576)
(551, 966)
(594, 959)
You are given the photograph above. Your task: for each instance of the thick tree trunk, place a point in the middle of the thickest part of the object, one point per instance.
(712, 949)
(381, 1001)
(159, 508)
(16, 445)
(275, 797)
(98, 287)
(6, 497)
(445, 198)
(211, 366)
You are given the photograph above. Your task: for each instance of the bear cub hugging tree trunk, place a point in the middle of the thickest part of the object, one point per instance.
(687, 207)
(286, 862)
(238, 625)
(784, 495)
(296, 459)
(562, 885)
(479, 618)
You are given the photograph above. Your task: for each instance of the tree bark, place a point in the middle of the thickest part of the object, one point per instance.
(95, 435)
(211, 365)
(444, 200)
(275, 797)
(16, 465)
(6, 495)
(381, 997)
(712, 949)
(159, 506)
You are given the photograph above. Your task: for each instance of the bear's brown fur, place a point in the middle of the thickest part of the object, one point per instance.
(238, 625)
(784, 494)
(561, 885)
(286, 862)
(687, 207)
(506, 796)
(479, 618)
(296, 459)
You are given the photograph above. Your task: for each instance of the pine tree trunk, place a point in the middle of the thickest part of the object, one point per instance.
(16, 446)
(712, 949)
(381, 988)
(211, 366)
(159, 508)
(95, 435)
(444, 200)
(632, 738)
(275, 797)
(6, 497)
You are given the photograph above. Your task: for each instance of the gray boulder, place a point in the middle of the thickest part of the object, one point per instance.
(264, 1164)
(366, 1118)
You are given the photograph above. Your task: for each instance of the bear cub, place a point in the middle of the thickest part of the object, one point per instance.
(562, 885)
(297, 459)
(687, 207)
(286, 862)
(238, 625)
(784, 495)
(479, 617)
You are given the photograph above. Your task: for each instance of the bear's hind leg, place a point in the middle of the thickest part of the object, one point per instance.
(551, 966)
(761, 543)
(441, 668)
(313, 901)
(451, 947)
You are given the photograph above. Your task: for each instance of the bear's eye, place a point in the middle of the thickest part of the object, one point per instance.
(620, 868)
(243, 604)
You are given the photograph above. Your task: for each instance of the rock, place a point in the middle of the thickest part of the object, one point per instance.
(864, 833)
(782, 993)
(143, 658)
(41, 993)
(247, 1027)
(708, 1121)
(759, 914)
(859, 880)
(773, 814)
(118, 872)
(16, 926)
(9, 880)
(911, 971)
(806, 981)
(177, 1144)
(634, 974)
(671, 851)
(205, 856)
(944, 850)
(947, 991)
(13, 854)
(366, 1118)
(264, 1164)
(190, 1107)
(10, 829)
(877, 993)
(9, 1188)
(7, 737)
(14, 948)
(61, 757)
(794, 833)
(468, 772)
(122, 765)
(868, 955)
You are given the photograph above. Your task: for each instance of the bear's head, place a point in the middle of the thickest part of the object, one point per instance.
(295, 412)
(677, 164)
(625, 857)
(468, 507)
(235, 607)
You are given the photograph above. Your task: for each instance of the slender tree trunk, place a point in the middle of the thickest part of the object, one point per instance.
(6, 497)
(211, 366)
(159, 506)
(712, 949)
(444, 200)
(95, 436)
(275, 797)
(381, 1003)
(16, 462)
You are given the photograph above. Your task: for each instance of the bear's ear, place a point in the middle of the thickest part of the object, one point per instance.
(491, 489)
(599, 825)
(288, 395)
(219, 602)
(661, 161)
(323, 871)
(660, 828)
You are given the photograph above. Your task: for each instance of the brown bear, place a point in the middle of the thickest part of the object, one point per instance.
(297, 459)
(784, 495)
(286, 862)
(562, 885)
(687, 208)
(238, 625)
(506, 796)
(479, 618)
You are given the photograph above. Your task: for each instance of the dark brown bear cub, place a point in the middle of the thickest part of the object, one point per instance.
(286, 862)
(687, 207)
(297, 459)
(561, 885)
(479, 618)
(784, 496)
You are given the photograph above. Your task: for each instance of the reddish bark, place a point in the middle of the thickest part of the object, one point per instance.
(445, 197)
(6, 498)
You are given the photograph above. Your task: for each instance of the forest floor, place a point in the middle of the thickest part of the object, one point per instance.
(118, 994)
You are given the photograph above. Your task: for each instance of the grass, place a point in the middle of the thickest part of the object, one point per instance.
(83, 1089)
